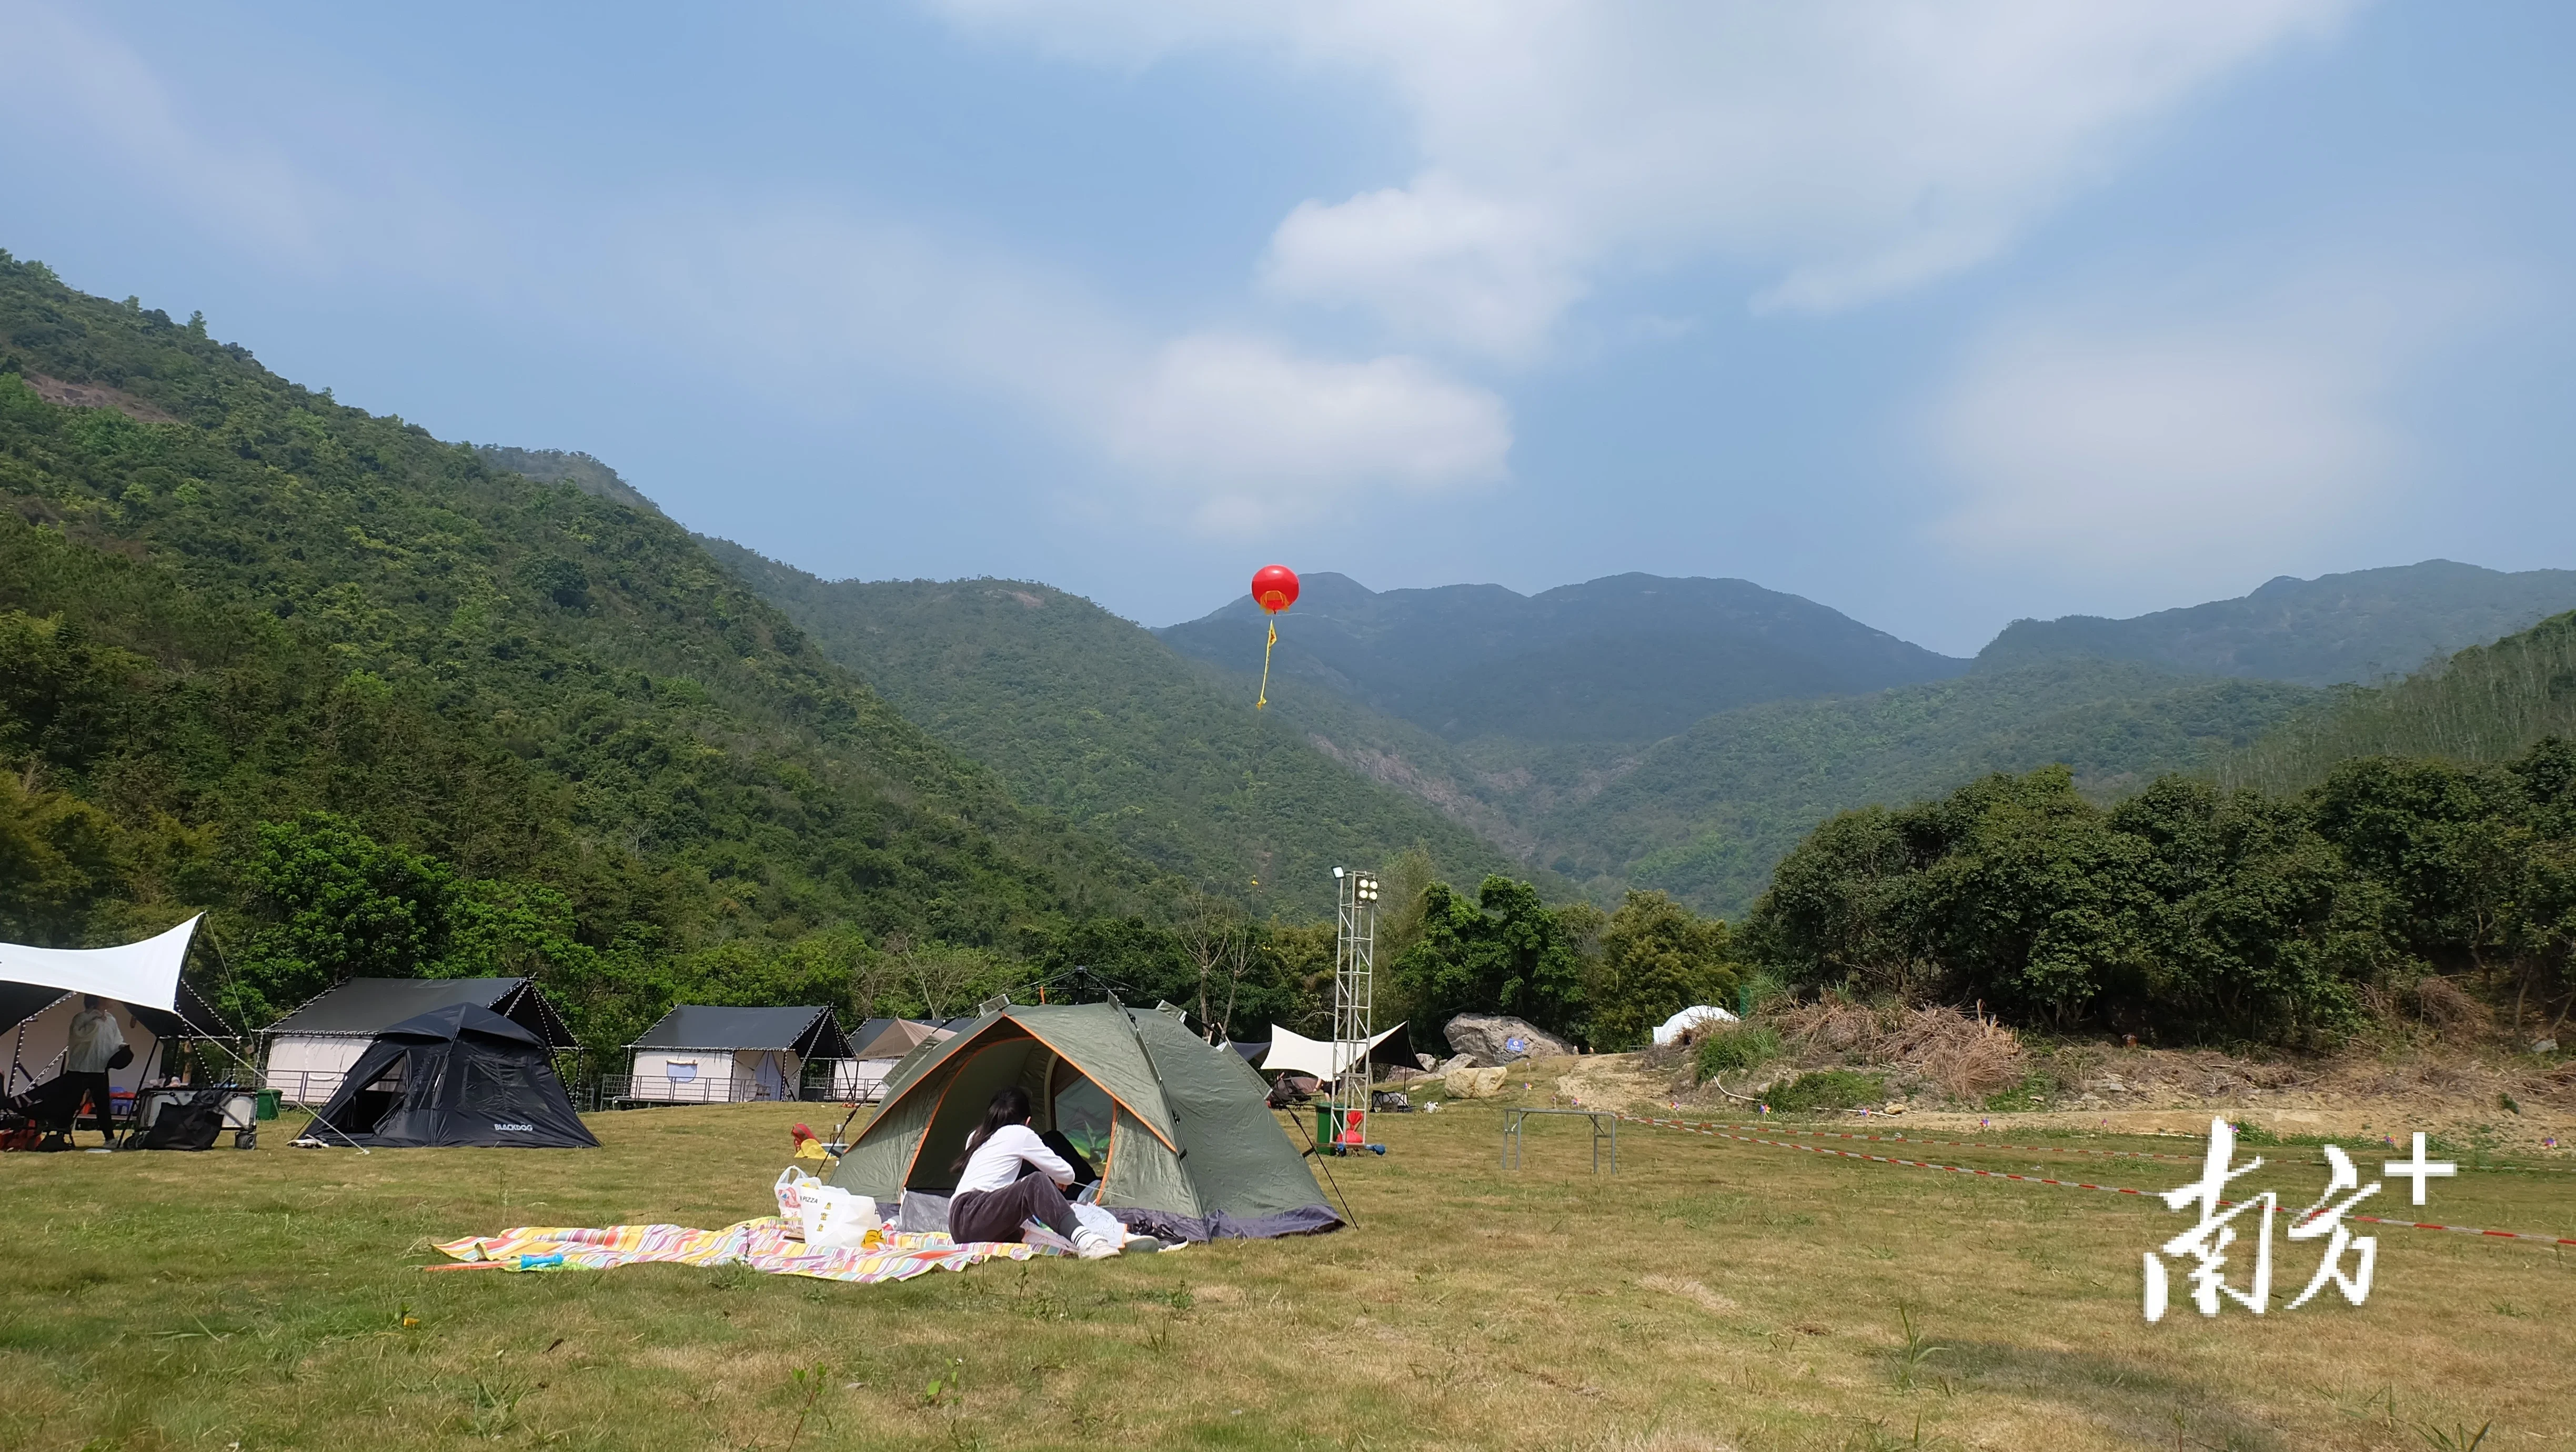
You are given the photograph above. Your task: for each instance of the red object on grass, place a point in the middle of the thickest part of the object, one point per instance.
(1274, 588)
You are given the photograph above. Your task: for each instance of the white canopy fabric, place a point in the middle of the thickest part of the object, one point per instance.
(1682, 1022)
(144, 974)
(1318, 1058)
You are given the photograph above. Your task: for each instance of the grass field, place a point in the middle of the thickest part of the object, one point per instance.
(1710, 1295)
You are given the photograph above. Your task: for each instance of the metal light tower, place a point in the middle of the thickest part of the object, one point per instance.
(1354, 1011)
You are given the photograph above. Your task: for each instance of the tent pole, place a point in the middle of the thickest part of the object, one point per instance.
(1317, 1151)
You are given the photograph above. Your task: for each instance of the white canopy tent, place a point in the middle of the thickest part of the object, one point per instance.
(1317, 1058)
(1697, 1016)
(144, 975)
(40, 992)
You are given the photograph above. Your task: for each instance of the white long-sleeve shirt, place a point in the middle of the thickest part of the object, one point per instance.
(996, 1162)
(95, 1038)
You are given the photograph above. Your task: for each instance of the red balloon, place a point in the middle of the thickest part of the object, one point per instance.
(1274, 588)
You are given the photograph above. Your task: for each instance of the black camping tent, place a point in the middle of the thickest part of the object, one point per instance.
(456, 1075)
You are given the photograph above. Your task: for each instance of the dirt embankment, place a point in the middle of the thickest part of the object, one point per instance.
(1966, 1071)
(95, 395)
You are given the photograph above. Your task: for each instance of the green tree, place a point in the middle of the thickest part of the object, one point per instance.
(1503, 953)
(1656, 958)
(57, 857)
(335, 903)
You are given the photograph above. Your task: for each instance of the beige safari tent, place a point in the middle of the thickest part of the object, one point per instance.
(876, 1046)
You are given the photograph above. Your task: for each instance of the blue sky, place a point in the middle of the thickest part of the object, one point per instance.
(1939, 313)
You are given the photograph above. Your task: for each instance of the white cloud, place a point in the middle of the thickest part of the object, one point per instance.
(1227, 431)
(1231, 432)
(1855, 148)
(1435, 260)
(1254, 431)
(2210, 440)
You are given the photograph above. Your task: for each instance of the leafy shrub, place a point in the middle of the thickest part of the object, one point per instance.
(2191, 912)
(1657, 957)
(1828, 1089)
(1737, 1048)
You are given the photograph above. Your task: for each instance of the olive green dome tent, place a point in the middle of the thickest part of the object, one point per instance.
(1179, 1128)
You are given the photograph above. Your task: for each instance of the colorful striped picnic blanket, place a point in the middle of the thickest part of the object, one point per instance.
(761, 1244)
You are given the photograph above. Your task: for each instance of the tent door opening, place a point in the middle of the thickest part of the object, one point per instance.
(375, 1100)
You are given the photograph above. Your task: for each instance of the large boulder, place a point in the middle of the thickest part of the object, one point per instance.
(1496, 1039)
(1470, 1083)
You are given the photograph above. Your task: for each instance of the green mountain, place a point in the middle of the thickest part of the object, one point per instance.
(1090, 717)
(1565, 741)
(2484, 705)
(1629, 658)
(558, 466)
(2357, 628)
(1705, 814)
(382, 706)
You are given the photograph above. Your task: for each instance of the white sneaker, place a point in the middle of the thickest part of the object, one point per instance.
(1090, 1244)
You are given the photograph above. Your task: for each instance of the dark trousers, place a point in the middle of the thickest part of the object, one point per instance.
(996, 1214)
(94, 1087)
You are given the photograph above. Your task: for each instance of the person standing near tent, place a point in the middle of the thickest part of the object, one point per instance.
(996, 1190)
(96, 1040)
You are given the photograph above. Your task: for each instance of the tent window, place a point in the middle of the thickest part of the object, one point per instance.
(682, 1071)
(1082, 1112)
(489, 1083)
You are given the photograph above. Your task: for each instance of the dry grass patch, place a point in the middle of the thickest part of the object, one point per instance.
(1707, 1300)
(1709, 1296)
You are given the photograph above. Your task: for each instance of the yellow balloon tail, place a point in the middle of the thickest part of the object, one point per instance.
(1265, 667)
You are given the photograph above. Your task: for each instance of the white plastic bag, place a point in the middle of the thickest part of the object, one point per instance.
(835, 1219)
(791, 1204)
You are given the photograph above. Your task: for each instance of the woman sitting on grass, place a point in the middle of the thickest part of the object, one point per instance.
(996, 1189)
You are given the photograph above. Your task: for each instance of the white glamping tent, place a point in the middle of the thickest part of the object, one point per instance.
(700, 1054)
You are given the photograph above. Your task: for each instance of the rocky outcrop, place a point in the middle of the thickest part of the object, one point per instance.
(1495, 1039)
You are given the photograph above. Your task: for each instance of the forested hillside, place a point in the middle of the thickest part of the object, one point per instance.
(562, 466)
(2357, 628)
(1630, 658)
(385, 708)
(1706, 814)
(2486, 704)
(1092, 717)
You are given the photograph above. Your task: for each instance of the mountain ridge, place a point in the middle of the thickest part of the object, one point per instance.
(2354, 628)
(1630, 657)
(1091, 716)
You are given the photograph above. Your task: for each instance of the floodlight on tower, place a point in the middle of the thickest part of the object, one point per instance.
(1354, 971)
